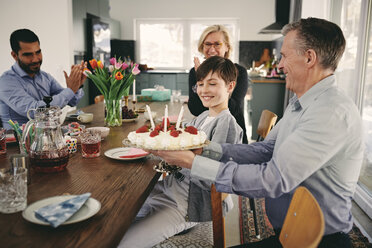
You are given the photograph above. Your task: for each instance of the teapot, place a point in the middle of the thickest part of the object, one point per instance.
(43, 139)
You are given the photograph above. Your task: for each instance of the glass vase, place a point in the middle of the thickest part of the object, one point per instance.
(113, 110)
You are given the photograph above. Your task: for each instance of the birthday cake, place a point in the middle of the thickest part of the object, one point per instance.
(172, 139)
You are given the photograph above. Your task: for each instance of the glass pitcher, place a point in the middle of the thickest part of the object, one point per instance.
(47, 150)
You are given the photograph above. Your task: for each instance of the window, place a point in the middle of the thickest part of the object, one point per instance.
(172, 43)
(354, 76)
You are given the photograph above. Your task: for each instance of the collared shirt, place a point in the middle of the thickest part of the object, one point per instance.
(317, 144)
(19, 92)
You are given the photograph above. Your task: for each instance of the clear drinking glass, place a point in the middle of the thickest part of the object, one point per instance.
(176, 95)
(90, 143)
(13, 190)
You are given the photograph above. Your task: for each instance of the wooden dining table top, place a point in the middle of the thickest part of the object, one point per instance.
(120, 186)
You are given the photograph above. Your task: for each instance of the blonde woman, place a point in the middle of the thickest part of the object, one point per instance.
(215, 41)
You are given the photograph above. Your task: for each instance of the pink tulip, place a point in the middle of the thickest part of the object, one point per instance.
(135, 70)
(113, 61)
(124, 66)
(118, 65)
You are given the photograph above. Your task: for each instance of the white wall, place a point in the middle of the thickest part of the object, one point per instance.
(253, 14)
(51, 20)
(316, 8)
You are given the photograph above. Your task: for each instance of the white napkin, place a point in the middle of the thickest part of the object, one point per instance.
(56, 214)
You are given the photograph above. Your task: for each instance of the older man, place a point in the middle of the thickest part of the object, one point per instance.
(24, 85)
(317, 144)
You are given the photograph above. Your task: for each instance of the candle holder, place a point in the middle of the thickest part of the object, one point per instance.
(126, 100)
(134, 104)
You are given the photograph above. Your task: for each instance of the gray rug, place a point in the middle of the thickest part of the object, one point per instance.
(199, 236)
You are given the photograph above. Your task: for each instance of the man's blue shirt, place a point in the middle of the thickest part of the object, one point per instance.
(317, 144)
(19, 92)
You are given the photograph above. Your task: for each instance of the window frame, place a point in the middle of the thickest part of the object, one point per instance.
(363, 196)
(188, 54)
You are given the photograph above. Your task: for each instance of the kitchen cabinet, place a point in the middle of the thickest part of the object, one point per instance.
(266, 94)
(170, 80)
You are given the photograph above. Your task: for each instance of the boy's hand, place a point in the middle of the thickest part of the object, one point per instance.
(197, 151)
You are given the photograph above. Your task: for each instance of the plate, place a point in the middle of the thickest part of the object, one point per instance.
(130, 120)
(10, 138)
(121, 151)
(90, 208)
(126, 142)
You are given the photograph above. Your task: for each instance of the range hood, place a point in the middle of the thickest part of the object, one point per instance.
(282, 11)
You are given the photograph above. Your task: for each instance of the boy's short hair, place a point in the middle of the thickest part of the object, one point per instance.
(216, 64)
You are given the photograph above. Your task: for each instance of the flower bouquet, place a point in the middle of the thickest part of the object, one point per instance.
(114, 83)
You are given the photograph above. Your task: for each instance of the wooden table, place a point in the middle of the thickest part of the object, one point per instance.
(120, 186)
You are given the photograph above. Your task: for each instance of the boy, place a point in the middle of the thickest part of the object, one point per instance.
(179, 202)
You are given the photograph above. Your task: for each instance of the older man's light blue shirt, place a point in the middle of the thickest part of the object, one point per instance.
(317, 144)
(19, 92)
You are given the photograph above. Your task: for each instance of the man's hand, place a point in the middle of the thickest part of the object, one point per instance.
(76, 77)
(181, 158)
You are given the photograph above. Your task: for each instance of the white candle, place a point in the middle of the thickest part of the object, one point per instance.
(134, 90)
(150, 116)
(179, 118)
(165, 118)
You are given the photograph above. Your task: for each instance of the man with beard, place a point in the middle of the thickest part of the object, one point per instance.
(24, 85)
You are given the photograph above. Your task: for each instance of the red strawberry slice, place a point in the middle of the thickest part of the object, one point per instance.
(174, 133)
(143, 129)
(158, 128)
(191, 130)
(154, 133)
(172, 127)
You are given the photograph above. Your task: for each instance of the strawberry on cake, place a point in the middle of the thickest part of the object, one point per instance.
(172, 139)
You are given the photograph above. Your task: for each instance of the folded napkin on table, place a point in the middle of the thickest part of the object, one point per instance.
(134, 153)
(58, 213)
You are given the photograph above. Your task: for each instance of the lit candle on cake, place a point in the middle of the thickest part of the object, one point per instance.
(165, 118)
(150, 116)
(178, 123)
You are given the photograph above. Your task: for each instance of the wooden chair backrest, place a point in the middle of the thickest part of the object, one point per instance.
(99, 98)
(218, 220)
(266, 123)
(304, 223)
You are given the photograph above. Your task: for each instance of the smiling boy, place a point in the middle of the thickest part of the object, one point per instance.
(179, 202)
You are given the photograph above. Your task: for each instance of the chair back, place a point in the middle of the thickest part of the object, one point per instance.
(266, 123)
(99, 98)
(304, 223)
(218, 221)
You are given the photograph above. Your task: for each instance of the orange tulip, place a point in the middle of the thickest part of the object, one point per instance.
(93, 63)
(100, 64)
(119, 76)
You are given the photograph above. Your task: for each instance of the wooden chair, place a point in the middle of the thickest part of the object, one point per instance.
(304, 223)
(218, 220)
(265, 124)
(99, 98)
